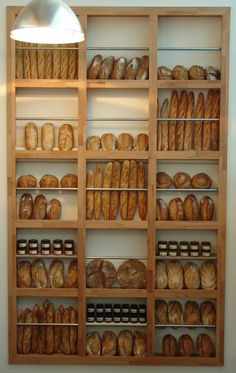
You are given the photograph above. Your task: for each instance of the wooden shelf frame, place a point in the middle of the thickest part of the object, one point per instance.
(81, 156)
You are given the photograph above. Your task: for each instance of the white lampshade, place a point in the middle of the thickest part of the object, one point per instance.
(47, 22)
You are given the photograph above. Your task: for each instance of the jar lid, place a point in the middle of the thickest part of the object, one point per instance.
(207, 243)
(184, 243)
(173, 243)
(57, 241)
(22, 240)
(33, 241)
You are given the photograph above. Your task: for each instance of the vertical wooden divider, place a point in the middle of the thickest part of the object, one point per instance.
(152, 182)
(222, 187)
(11, 198)
(81, 210)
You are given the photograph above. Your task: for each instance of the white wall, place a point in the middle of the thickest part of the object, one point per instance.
(230, 309)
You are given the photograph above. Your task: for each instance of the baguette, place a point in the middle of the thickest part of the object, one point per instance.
(64, 62)
(158, 127)
(66, 332)
(41, 61)
(26, 62)
(42, 330)
(90, 195)
(73, 330)
(94, 67)
(56, 62)
(164, 125)
(119, 68)
(172, 123)
(142, 196)
(182, 109)
(57, 329)
(49, 329)
(48, 64)
(106, 194)
(206, 131)
(73, 62)
(197, 132)
(132, 200)
(19, 60)
(35, 330)
(27, 332)
(33, 63)
(124, 183)
(215, 125)
(188, 130)
(97, 193)
(20, 331)
(115, 183)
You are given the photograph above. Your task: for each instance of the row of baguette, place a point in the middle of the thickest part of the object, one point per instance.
(194, 314)
(46, 63)
(185, 134)
(36, 275)
(47, 339)
(39, 208)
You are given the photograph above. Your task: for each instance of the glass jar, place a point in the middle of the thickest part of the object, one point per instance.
(21, 247)
(142, 313)
(68, 247)
(184, 248)
(162, 248)
(57, 247)
(173, 248)
(194, 248)
(206, 248)
(33, 247)
(133, 313)
(117, 312)
(45, 247)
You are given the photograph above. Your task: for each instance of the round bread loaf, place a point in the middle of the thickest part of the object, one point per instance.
(94, 67)
(201, 181)
(69, 181)
(109, 343)
(39, 207)
(191, 313)
(48, 181)
(169, 345)
(93, 143)
(175, 275)
(53, 209)
(180, 72)
(212, 73)
(163, 180)
(24, 274)
(175, 313)
(26, 206)
(191, 210)
(71, 280)
(125, 142)
(93, 344)
(185, 345)
(164, 73)
(56, 274)
(206, 208)
(182, 180)
(162, 210)
(141, 142)
(161, 316)
(161, 280)
(131, 274)
(31, 136)
(208, 313)
(204, 345)
(191, 276)
(66, 137)
(208, 275)
(100, 274)
(196, 72)
(39, 274)
(48, 136)
(27, 181)
(108, 142)
(176, 209)
(140, 344)
(125, 343)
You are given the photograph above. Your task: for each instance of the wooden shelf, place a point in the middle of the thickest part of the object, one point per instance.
(116, 293)
(46, 256)
(45, 154)
(191, 155)
(46, 224)
(47, 83)
(132, 84)
(116, 224)
(185, 293)
(189, 258)
(188, 84)
(187, 225)
(117, 324)
(104, 155)
(46, 292)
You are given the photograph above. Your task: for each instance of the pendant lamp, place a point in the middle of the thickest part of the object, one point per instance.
(47, 22)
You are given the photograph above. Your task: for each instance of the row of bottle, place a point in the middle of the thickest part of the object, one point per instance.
(118, 313)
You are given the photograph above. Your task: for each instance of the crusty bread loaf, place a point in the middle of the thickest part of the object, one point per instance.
(48, 64)
(90, 195)
(39, 274)
(57, 329)
(208, 275)
(197, 131)
(163, 180)
(39, 207)
(133, 183)
(69, 181)
(26, 206)
(185, 345)
(106, 194)
(31, 136)
(191, 313)
(175, 313)
(106, 68)
(66, 137)
(142, 195)
(182, 180)
(73, 62)
(180, 72)
(191, 276)
(73, 330)
(208, 313)
(188, 129)
(100, 274)
(19, 60)
(56, 62)
(124, 183)
(27, 334)
(93, 344)
(164, 73)
(41, 60)
(42, 330)
(56, 274)
(206, 131)
(131, 274)
(204, 345)
(48, 136)
(169, 345)
(140, 344)
(34, 330)
(27, 181)
(125, 343)
(64, 62)
(161, 210)
(93, 143)
(161, 279)
(132, 68)
(176, 209)
(48, 181)
(164, 125)
(66, 332)
(161, 315)
(191, 209)
(24, 274)
(174, 102)
(71, 280)
(158, 127)
(212, 73)
(180, 126)
(49, 329)
(196, 72)
(175, 275)
(201, 181)
(109, 343)
(143, 70)
(141, 142)
(53, 209)
(98, 193)
(207, 208)
(119, 68)
(108, 142)
(94, 67)
(215, 124)
(125, 142)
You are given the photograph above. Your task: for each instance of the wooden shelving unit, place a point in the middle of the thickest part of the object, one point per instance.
(152, 158)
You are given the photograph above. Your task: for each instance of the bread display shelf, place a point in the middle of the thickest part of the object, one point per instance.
(185, 293)
(61, 256)
(185, 326)
(47, 83)
(105, 155)
(191, 84)
(118, 324)
(119, 189)
(116, 293)
(45, 324)
(67, 224)
(191, 155)
(117, 257)
(212, 257)
(187, 225)
(52, 189)
(116, 224)
(132, 84)
(193, 190)
(44, 154)
(46, 292)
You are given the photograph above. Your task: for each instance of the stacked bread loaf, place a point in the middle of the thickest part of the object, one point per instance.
(124, 142)
(106, 204)
(181, 133)
(38, 208)
(43, 339)
(111, 68)
(35, 61)
(47, 181)
(35, 274)
(125, 343)
(173, 275)
(195, 72)
(185, 347)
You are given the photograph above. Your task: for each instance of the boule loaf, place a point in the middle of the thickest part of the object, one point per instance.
(207, 208)
(175, 313)
(100, 274)
(164, 73)
(39, 207)
(175, 275)
(69, 181)
(196, 72)
(26, 181)
(93, 143)
(163, 180)
(125, 343)
(191, 313)
(143, 70)
(140, 344)
(39, 274)
(141, 142)
(109, 344)
(125, 142)
(161, 279)
(108, 142)
(53, 209)
(208, 275)
(93, 344)
(191, 210)
(204, 345)
(132, 68)
(132, 274)
(180, 72)
(161, 210)
(56, 274)
(66, 137)
(176, 209)
(169, 345)
(26, 206)
(182, 180)
(24, 274)
(71, 280)
(161, 313)
(201, 181)
(191, 276)
(185, 345)
(48, 181)
(208, 313)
